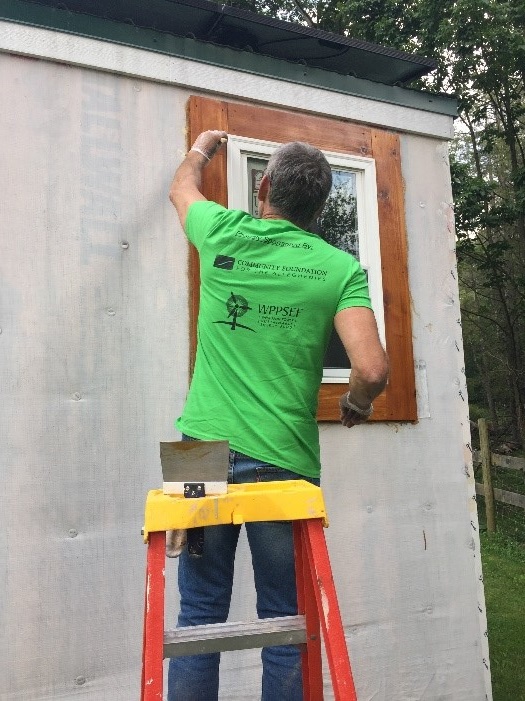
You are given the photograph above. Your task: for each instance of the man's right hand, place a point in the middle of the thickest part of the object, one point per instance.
(186, 187)
(209, 142)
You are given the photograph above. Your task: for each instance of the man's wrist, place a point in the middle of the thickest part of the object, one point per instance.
(198, 150)
(208, 143)
(347, 402)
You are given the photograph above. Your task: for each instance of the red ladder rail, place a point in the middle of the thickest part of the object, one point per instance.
(315, 580)
(317, 606)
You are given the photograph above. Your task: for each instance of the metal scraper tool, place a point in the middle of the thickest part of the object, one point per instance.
(195, 462)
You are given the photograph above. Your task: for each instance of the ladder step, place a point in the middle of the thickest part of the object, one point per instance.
(222, 637)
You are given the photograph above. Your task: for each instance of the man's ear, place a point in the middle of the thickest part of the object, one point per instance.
(264, 188)
(320, 210)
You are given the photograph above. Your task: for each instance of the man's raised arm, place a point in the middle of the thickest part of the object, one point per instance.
(187, 182)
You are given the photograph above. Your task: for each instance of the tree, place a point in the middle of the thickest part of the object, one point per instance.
(338, 223)
(488, 168)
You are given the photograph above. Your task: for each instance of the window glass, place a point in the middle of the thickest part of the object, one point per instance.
(338, 226)
(256, 167)
(338, 222)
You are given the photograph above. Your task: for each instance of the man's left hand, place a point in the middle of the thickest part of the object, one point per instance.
(352, 414)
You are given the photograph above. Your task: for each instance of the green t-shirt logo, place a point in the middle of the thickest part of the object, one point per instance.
(236, 306)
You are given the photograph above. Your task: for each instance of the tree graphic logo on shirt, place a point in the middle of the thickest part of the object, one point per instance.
(236, 306)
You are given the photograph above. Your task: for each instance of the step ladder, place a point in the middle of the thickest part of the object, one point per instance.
(294, 500)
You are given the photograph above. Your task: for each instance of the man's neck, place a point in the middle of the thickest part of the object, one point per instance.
(266, 211)
(272, 215)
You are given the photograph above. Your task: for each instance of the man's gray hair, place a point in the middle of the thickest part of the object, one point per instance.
(300, 181)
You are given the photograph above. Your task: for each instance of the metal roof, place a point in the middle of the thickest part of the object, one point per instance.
(221, 24)
(203, 31)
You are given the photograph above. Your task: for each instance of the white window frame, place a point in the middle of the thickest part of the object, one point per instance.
(241, 148)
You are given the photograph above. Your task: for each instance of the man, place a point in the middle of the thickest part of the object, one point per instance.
(270, 293)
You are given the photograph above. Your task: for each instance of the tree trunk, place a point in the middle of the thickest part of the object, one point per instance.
(486, 381)
(520, 414)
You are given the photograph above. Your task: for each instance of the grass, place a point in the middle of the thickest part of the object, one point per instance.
(504, 578)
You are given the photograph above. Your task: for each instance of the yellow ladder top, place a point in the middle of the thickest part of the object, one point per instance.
(290, 500)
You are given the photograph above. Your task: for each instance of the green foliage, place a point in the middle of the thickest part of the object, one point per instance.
(477, 411)
(486, 69)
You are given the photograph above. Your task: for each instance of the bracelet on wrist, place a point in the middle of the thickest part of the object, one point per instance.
(198, 150)
(359, 410)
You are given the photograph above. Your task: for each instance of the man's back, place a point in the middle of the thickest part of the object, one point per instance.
(269, 293)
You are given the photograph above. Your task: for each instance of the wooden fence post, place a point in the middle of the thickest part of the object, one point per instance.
(487, 477)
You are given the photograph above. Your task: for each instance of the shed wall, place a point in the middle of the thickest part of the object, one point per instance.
(93, 370)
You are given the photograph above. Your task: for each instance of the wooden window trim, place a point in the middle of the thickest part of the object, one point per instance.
(398, 401)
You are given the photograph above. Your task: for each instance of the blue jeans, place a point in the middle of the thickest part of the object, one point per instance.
(205, 586)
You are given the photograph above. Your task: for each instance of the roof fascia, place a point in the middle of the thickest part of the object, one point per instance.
(36, 15)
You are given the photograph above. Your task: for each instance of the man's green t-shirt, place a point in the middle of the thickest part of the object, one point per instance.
(269, 293)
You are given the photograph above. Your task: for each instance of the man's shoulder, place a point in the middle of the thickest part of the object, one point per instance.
(202, 207)
(206, 220)
(208, 210)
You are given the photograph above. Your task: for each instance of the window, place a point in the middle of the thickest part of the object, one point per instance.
(369, 153)
(349, 221)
